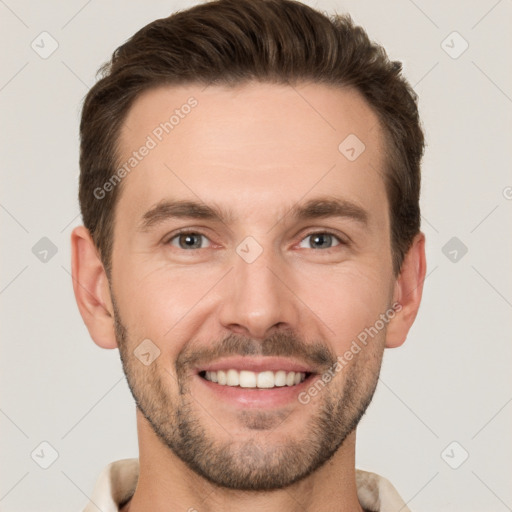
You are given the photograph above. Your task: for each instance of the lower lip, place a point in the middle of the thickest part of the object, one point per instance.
(256, 397)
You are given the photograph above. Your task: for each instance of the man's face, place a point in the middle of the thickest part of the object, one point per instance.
(269, 288)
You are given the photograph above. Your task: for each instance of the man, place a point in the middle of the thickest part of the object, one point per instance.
(250, 175)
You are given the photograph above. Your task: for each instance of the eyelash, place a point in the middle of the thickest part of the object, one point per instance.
(342, 242)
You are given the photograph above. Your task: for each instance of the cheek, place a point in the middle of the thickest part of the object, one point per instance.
(159, 303)
(348, 301)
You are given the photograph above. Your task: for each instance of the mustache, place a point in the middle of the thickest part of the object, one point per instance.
(283, 343)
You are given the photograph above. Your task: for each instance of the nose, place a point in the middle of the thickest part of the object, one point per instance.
(258, 298)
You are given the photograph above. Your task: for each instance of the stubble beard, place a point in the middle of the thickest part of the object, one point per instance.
(257, 463)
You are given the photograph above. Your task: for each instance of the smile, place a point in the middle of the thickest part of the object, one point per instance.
(249, 379)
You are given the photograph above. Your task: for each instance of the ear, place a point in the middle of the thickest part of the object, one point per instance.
(408, 292)
(91, 288)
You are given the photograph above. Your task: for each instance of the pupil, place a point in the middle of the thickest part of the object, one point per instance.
(319, 239)
(189, 240)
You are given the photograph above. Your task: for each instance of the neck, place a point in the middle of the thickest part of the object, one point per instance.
(167, 484)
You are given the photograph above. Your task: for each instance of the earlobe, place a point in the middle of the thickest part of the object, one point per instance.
(91, 288)
(408, 292)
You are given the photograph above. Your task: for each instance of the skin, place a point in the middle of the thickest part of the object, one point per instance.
(257, 149)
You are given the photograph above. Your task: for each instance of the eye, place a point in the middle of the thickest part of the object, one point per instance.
(188, 240)
(321, 240)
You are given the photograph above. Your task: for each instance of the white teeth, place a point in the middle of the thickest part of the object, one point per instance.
(247, 379)
(222, 378)
(265, 380)
(232, 378)
(280, 378)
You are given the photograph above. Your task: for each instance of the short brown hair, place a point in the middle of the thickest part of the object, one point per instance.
(234, 41)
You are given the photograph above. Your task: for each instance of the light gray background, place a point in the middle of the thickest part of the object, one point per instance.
(451, 381)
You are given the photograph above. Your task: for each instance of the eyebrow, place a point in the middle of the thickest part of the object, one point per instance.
(318, 208)
(182, 209)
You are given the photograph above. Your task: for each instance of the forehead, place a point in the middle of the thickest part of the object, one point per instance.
(252, 145)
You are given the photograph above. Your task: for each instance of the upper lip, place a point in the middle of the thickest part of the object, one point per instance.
(257, 364)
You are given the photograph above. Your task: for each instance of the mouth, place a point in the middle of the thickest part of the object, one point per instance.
(266, 379)
(256, 382)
